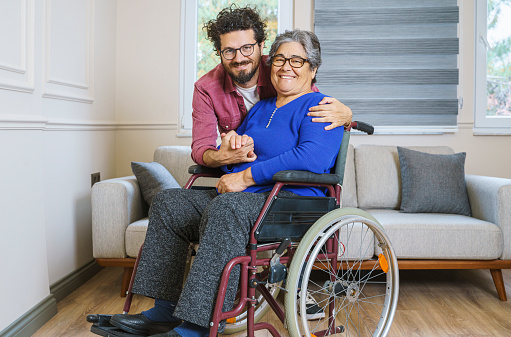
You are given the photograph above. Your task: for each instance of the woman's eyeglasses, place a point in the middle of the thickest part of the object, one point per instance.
(295, 61)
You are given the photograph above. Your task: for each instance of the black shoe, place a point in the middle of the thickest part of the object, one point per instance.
(140, 325)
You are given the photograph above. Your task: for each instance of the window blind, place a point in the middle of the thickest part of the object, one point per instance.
(393, 62)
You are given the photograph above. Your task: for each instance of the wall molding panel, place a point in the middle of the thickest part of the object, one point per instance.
(62, 125)
(67, 96)
(17, 46)
(69, 50)
(147, 126)
(13, 69)
(32, 122)
(69, 84)
(22, 122)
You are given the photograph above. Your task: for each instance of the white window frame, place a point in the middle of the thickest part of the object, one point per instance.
(484, 125)
(188, 56)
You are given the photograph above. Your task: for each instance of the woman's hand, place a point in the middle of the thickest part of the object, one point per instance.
(233, 149)
(235, 182)
(236, 141)
(331, 111)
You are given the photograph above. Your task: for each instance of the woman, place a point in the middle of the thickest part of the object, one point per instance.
(284, 139)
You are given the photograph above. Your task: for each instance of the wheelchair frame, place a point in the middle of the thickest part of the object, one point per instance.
(249, 281)
(249, 266)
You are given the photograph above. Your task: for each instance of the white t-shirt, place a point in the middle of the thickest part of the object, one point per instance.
(250, 96)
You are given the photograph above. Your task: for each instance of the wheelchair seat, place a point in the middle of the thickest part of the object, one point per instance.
(291, 217)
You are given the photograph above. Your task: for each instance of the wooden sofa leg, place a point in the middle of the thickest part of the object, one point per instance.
(126, 277)
(499, 283)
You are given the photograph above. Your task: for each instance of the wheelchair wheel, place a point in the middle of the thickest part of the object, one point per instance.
(239, 323)
(359, 294)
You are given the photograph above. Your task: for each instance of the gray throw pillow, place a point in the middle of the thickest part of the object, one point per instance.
(433, 183)
(152, 178)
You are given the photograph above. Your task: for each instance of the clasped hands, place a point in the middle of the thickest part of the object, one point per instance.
(238, 149)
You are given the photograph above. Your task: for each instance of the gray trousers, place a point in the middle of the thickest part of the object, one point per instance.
(220, 223)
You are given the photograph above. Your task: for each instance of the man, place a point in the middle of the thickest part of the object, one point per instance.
(222, 101)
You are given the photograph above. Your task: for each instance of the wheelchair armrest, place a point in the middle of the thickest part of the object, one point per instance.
(306, 177)
(199, 169)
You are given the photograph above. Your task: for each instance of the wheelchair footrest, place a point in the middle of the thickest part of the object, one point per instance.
(110, 331)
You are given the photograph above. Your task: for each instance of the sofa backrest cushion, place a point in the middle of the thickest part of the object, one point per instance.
(176, 160)
(378, 176)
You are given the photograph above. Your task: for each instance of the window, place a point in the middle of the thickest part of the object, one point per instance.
(393, 62)
(493, 67)
(197, 54)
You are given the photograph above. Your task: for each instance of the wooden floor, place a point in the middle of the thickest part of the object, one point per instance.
(431, 303)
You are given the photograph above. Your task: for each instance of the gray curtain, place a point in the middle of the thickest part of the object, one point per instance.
(393, 62)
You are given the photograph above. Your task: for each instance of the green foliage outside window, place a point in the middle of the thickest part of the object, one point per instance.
(498, 61)
(207, 57)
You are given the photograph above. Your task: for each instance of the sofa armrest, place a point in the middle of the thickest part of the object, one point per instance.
(115, 204)
(490, 200)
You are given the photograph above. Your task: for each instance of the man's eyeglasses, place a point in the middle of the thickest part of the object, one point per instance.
(245, 50)
(295, 61)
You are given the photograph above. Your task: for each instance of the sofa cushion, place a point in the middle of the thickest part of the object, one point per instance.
(135, 236)
(152, 178)
(378, 175)
(440, 236)
(433, 183)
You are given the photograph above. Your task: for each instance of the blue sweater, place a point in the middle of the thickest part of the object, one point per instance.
(291, 142)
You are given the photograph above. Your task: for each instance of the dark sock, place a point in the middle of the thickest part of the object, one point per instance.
(163, 311)
(187, 329)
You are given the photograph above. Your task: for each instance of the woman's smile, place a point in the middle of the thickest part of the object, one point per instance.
(287, 77)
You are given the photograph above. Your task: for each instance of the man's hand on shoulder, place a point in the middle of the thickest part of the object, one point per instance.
(234, 149)
(330, 110)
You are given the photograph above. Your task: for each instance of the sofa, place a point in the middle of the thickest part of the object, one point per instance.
(372, 182)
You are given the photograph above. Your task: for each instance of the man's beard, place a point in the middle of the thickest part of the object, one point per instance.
(243, 76)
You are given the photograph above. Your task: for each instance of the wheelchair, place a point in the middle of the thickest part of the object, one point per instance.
(315, 252)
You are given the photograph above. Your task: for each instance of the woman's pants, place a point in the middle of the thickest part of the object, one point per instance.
(220, 223)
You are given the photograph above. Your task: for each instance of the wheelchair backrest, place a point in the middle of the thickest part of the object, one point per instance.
(340, 163)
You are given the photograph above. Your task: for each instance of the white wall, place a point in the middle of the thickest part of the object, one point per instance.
(57, 126)
(154, 99)
(148, 34)
(23, 263)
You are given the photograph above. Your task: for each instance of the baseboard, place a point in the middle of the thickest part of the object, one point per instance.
(73, 281)
(33, 320)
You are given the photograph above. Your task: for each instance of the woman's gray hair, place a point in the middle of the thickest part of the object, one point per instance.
(307, 39)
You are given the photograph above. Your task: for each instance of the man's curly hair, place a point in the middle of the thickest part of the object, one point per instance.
(234, 18)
